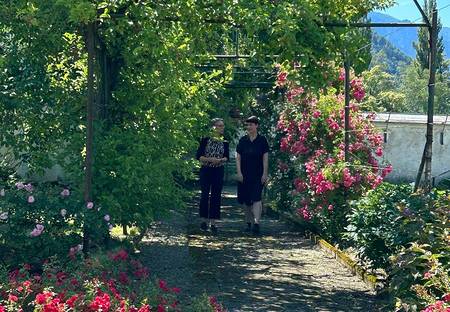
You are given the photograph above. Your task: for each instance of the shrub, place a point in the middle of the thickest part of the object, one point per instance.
(42, 220)
(419, 274)
(105, 282)
(385, 220)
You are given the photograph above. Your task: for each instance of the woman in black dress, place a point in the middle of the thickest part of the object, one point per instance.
(252, 162)
(213, 152)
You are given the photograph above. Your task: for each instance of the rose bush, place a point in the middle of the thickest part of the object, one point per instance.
(115, 281)
(42, 220)
(311, 153)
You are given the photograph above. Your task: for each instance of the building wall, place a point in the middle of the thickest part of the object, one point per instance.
(406, 141)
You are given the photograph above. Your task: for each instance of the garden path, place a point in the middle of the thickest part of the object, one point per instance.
(279, 271)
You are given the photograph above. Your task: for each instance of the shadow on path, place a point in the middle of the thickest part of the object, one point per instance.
(278, 271)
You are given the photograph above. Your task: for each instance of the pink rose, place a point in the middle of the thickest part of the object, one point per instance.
(427, 275)
(446, 297)
(29, 187)
(37, 230)
(30, 199)
(90, 205)
(65, 192)
(20, 185)
(107, 218)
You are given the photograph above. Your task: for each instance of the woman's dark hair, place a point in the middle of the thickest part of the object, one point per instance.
(215, 120)
(253, 119)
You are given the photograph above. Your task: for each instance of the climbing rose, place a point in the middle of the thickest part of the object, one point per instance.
(20, 185)
(90, 205)
(281, 78)
(30, 199)
(427, 275)
(2, 192)
(12, 298)
(107, 218)
(65, 192)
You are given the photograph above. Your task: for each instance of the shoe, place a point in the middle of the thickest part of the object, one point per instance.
(248, 229)
(204, 226)
(256, 229)
(213, 229)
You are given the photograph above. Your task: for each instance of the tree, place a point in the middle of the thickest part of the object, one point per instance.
(382, 94)
(151, 98)
(422, 45)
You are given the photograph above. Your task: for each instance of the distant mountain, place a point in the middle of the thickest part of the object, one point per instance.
(403, 37)
(387, 55)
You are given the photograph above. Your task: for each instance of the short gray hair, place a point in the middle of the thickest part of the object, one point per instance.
(215, 120)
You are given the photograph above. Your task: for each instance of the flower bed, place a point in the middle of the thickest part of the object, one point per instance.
(104, 282)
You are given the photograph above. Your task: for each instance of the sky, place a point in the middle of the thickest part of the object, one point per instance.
(406, 9)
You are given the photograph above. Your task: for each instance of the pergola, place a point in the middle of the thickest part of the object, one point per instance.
(267, 81)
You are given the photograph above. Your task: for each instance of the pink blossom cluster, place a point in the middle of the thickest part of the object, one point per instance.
(116, 283)
(37, 230)
(293, 93)
(305, 213)
(320, 184)
(358, 89)
(313, 132)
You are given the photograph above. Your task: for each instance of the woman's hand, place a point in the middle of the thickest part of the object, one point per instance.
(264, 179)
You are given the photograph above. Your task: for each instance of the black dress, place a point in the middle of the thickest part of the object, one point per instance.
(211, 177)
(252, 168)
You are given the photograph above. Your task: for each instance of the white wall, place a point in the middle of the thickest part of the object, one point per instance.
(406, 141)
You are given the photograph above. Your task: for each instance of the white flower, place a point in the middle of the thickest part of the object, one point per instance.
(20, 185)
(2, 192)
(4, 216)
(107, 218)
(63, 212)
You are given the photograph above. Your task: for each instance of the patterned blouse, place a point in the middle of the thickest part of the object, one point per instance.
(213, 148)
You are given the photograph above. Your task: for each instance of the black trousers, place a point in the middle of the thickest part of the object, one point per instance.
(211, 182)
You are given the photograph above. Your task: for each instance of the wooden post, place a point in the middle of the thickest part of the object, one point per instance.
(347, 108)
(89, 128)
(428, 150)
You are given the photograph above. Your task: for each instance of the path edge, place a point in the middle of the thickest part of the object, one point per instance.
(370, 279)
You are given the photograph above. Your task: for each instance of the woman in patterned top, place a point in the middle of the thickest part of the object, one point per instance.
(213, 152)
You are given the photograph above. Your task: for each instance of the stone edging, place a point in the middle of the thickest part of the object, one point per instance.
(370, 279)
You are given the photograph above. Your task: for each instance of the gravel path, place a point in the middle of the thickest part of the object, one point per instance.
(279, 271)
